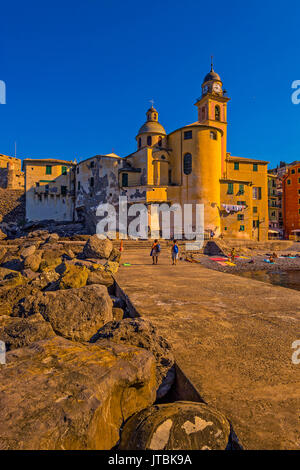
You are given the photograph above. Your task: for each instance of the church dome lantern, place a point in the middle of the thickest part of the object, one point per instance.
(212, 82)
(151, 131)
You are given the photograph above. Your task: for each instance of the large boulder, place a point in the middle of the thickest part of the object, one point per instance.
(181, 425)
(33, 262)
(76, 315)
(50, 260)
(60, 395)
(46, 280)
(100, 277)
(74, 277)
(2, 235)
(27, 251)
(97, 248)
(11, 299)
(13, 280)
(141, 333)
(19, 332)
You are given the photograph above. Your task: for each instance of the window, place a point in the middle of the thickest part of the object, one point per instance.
(48, 169)
(203, 113)
(236, 166)
(254, 210)
(63, 190)
(63, 170)
(77, 170)
(124, 179)
(217, 113)
(242, 228)
(299, 180)
(92, 181)
(78, 185)
(273, 214)
(256, 193)
(149, 140)
(299, 169)
(92, 164)
(213, 135)
(170, 176)
(187, 164)
(240, 217)
(159, 141)
(288, 181)
(293, 172)
(188, 135)
(241, 203)
(255, 223)
(241, 189)
(225, 228)
(255, 167)
(298, 201)
(298, 191)
(230, 188)
(140, 143)
(37, 185)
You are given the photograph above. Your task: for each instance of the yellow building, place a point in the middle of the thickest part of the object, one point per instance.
(49, 189)
(192, 165)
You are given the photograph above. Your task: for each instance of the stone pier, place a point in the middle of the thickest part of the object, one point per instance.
(232, 337)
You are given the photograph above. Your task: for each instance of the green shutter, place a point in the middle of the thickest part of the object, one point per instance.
(236, 166)
(230, 188)
(48, 169)
(255, 167)
(63, 170)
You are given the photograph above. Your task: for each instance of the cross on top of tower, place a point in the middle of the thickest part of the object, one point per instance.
(152, 103)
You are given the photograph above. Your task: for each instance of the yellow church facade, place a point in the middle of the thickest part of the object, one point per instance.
(192, 165)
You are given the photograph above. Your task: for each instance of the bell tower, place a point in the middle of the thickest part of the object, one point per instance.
(212, 107)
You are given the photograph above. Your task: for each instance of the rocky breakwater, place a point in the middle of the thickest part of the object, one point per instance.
(76, 369)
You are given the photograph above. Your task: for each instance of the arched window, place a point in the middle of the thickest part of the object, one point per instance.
(140, 143)
(149, 140)
(159, 141)
(213, 135)
(187, 164)
(217, 113)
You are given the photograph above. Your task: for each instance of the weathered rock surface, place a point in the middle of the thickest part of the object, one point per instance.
(19, 332)
(111, 267)
(97, 248)
(71, 396)
(100, 277)
(181, 425)
(13, 280)
(3, 252)
(115, 255)
(11, 299)
(45, 280)
(74, 277)
(77, 314)
(118, 314)
(2, 235)
(141, 333)
(51, 259)
(27, 251)
(33, 262)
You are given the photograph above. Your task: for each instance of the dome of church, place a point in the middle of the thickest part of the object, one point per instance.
(212, 75)
(152, 125)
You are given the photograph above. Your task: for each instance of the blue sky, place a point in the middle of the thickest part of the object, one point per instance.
(79, 75)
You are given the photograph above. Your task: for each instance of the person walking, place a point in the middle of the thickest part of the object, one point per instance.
(174, 251)
(155, 251)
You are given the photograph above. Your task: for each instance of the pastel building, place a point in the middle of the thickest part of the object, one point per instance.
(190, 165)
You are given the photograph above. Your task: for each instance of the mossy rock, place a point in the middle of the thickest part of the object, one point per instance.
(13, 280)
(50, 260)
(74, 277)
(111, 267)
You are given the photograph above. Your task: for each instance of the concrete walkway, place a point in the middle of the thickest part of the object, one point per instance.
(232, 337)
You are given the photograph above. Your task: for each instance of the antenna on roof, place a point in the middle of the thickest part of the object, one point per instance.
(212, 63)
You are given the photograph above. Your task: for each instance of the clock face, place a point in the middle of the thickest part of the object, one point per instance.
(217, 87)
